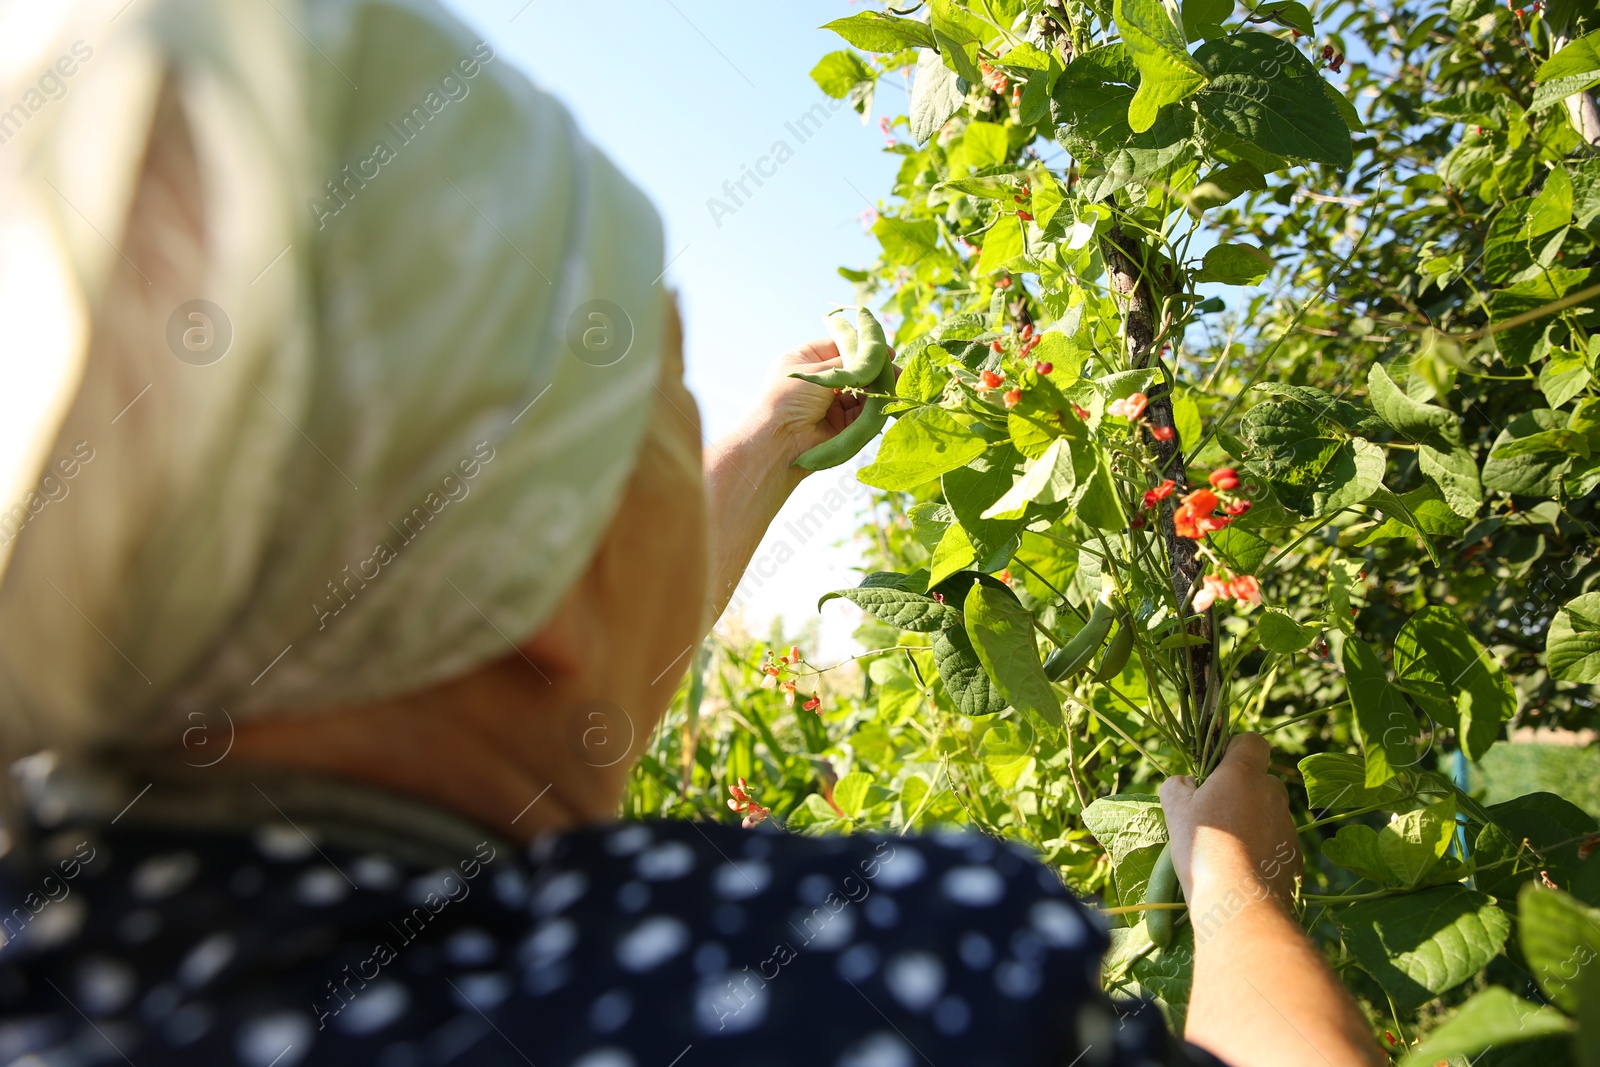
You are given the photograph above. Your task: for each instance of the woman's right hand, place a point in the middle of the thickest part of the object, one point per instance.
(1234, 832)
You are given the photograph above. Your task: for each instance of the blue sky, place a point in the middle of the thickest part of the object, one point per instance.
(684, 95)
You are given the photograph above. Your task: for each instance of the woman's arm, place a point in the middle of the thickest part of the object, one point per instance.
(750, 472)
(1263, 994)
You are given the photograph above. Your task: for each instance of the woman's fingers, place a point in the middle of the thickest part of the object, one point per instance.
(1248, 752)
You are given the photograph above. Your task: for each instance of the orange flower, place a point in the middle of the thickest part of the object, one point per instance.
(794, 654)
(1129, 407)
(989, 380)
(788, 692)
(1012, 397)
(1183, 522)
(1082, 413)
(1211, 523)
(1162, 433)
(1225, 479)
(1201, 501)
(1212, 588)
(1238, 507)
(1159, 493)
(1245, 589)
(813, 704)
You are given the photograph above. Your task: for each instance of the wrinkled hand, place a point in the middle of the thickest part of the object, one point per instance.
(1234, 833)
(806, 414)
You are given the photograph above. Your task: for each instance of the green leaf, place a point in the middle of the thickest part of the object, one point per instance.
(1008, 752)
(1099, 505)
(1536, 472)
(1572, 645)
(959, 34)
(1224, 184)
(1517, 343)
(1202, 13)
(1561, 940)
(970, 491)
(1289, 13)
(1419, 945)
(1564, 376)
(1492, 1018)
(1347, 111)
(1234, 264)
(1242, 549)
(1443, 666)
(1263, 90)
(1414, 841)
(850, 793)
(1552, 208)
(1532, 833)
(1574, 69)
(936, 95)
(1047, 480)
(953, 555)
(929, 521)
(1313, 467)
(1355, 848)
(1319, 404)
(919, 447)
(982, 145)
(1280, 633)
(1384, 721)
(1125, 822)
(1456, 476)
(1167, 73)
(916, 612)
(872, 31)
(1001, 630)
(839, 72)
(963, 675)
(1004, 244)
(1421, 511)
(1421, 424)
(920, 379)
(906, 242)
(1337, 781)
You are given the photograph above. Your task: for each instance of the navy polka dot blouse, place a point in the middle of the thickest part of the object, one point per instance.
(226, 932)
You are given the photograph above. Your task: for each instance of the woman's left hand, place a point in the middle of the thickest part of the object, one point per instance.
(803, 414)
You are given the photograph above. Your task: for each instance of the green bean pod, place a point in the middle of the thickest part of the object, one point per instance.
(863, 347)
(1075, 655)
(1118, 651)
(1161, 923)
(853, 438)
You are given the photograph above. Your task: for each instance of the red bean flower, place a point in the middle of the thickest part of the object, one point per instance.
(1129, 407)
(990, 380)
(1152, 497)
(1212, 588)
(1163, 433)
(1012, 397)
(1225, 479)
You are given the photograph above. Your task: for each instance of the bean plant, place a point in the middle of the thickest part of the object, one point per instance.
(1246, 380)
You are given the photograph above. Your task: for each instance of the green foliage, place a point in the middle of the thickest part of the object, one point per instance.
(1134, 242)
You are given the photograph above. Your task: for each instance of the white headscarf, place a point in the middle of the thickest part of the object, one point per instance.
(443, 322)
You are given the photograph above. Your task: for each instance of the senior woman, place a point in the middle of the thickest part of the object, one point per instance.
(361, 533)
